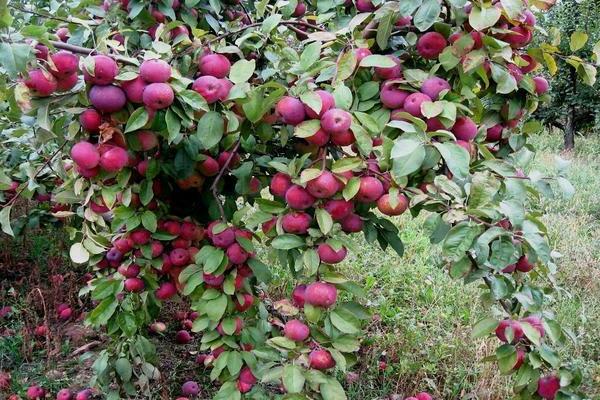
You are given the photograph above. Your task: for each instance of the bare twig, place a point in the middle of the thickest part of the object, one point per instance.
(246, 12)
(86, 347)
(213, 187)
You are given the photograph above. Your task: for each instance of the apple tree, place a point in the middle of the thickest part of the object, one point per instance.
(183, 137)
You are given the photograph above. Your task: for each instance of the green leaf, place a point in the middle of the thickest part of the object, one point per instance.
(340, 361)
(103, 311)
(347, 344)
(5, 220)
(346, 164)
(332, 390)
(384, 30)
(343, 97)
(13, 57)
(173, 125)
(432, 109)
(193, 99)
(259, 103)
(377, 60)
(369, 123)
(483, 18)
(311, 261)
(342, 324)
(506, 83)
(214, 259)
(578, 40)
(554, 330)
(312, 100)
(242, 70)
(346, 66)
(234, 363)
(351, 188)
(587, 73)
(228, 391)
(484, 328)
(287, 242)
(310, 55)
(459, 239)
(260, 270)
(567, 189)
(596, 51)
(498, 287)
(408, 7)
(123, 368)
(282, 342)
(149, 220)
(460, 268)
(324, 220)
(407, 156)
(33, 30)
(550, 356)
(293, 379)
(270, 23)
(146, 192)
(507, 358)
(78, 253)
(427, 14)
(513, 8)
(448, 59)
(531, 332)
(210, 129)
(456, 158)
(216, 308)
(6, 18)
(393, 239)
(307, 128)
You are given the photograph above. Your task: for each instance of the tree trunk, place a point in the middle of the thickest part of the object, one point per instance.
(570, 126)
(570, 129)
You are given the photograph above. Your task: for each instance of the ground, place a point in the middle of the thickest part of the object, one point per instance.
(423, 318)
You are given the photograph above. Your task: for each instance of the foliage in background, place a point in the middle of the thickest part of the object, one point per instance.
(573, 106)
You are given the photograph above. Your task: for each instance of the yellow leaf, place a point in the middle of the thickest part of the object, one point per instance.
(578, 40)
(550, 64)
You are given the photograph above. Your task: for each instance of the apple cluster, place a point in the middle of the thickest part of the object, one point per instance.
(58, 72)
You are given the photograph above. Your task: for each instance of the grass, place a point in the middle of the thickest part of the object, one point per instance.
(424, 318)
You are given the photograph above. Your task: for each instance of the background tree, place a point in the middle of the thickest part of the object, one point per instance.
(573, 26)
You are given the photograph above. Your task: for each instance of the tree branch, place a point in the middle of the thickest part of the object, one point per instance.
(87, 51)
(255, 24)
